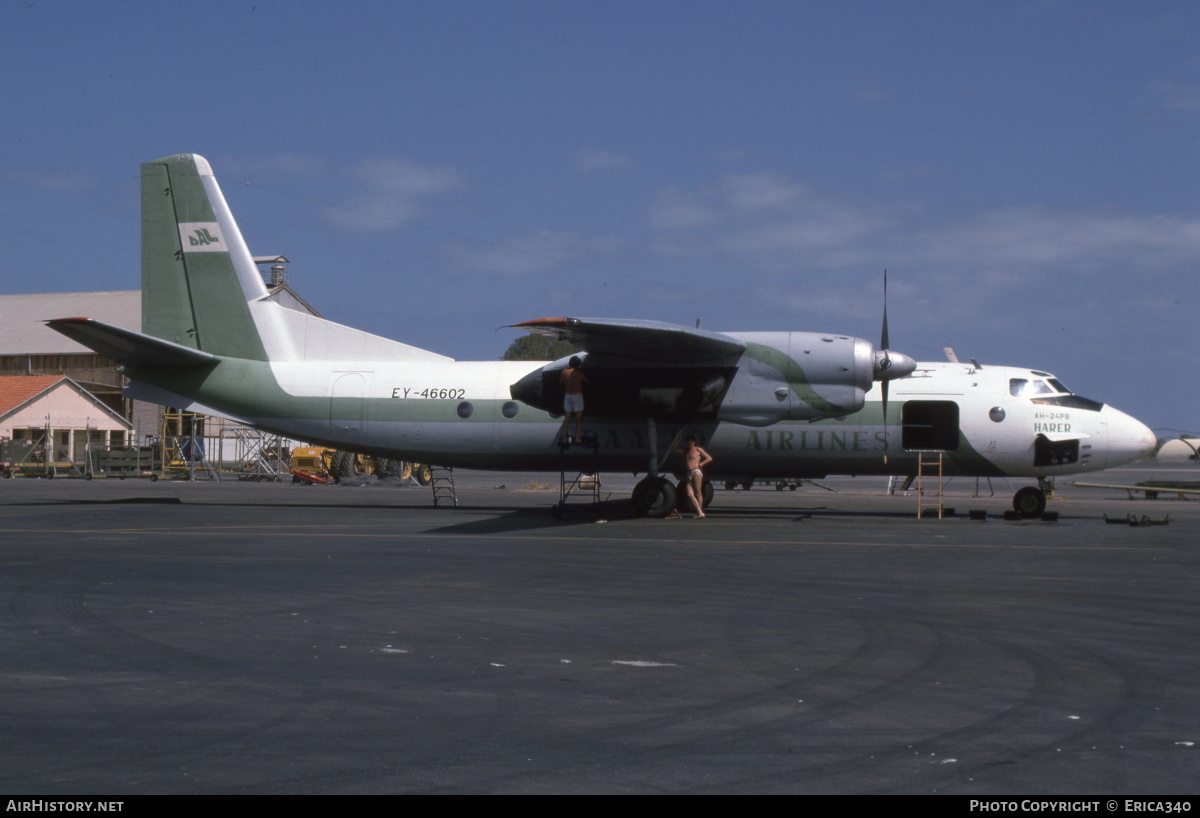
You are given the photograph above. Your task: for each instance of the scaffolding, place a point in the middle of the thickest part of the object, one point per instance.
(48, 451)
(40, 455)
(202, 447)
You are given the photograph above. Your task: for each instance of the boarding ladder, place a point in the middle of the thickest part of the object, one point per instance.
(930, 479)
(443, 486)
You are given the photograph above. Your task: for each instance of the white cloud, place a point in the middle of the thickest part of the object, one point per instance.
(752, 191)
(767, 222)
(588, 160)
(395, 191)
(1037, 236)
(762, 221)
(1178, 96)
(535, 254)
(674, 209)
(280, 164)
(399, 175)
(777, 243)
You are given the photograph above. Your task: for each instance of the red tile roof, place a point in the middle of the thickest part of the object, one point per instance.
(16, 389)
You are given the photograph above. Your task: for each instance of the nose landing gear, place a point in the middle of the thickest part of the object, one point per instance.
(1030, 501)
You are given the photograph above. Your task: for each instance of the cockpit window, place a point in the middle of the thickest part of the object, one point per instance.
(1071, 402)
(1024, 388)
(1058, 385)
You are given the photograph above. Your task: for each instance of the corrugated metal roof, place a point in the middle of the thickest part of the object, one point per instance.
(17, 389)
(22, 330)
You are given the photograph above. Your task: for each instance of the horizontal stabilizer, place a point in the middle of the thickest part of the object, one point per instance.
(128, 347)
(643, 340)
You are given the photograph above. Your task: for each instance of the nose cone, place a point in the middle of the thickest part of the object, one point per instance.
(890, 365)
(1128, 438)
(528, 389)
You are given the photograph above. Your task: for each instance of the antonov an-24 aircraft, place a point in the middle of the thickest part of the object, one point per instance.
(764, 404)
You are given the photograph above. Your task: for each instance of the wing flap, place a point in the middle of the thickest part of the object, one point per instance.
(126, 346)
(642, 340)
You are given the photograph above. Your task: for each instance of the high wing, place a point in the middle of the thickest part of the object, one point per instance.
(651, 341)
(668, 372)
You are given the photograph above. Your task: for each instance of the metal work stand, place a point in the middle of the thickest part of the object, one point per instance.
(585, 485)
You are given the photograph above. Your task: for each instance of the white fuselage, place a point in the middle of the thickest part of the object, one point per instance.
(461, 414)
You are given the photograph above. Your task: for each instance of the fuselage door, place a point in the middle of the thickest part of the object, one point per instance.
(346, 403)
(930, 425)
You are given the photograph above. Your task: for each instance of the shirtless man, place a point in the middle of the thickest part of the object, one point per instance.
(573, 380)
(696, 459)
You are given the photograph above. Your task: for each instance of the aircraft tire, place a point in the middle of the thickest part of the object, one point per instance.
(424, 474)
(342, 465)
(387, 467)
(1029, 502)
(653, 497)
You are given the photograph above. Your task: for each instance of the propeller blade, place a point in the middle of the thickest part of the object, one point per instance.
(883, 338)
(884, 386)
(886, 364)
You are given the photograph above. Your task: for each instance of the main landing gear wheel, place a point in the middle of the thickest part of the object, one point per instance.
(682, 502)
(1029, 502)
(653, 497)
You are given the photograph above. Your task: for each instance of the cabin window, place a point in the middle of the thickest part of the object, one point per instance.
(465, 409)
(930, 425)
(510, 409)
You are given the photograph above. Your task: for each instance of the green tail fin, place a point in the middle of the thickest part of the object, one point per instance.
(197, 275)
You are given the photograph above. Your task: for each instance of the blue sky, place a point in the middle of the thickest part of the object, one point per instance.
(1028, 172)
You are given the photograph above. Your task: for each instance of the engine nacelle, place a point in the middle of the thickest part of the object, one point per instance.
(798, 376)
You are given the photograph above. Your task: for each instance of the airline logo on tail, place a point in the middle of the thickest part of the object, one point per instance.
(201, 237)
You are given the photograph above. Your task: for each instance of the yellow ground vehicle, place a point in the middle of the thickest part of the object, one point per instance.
(318, 464)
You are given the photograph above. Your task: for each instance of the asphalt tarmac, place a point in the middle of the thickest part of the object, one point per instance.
(234, 637)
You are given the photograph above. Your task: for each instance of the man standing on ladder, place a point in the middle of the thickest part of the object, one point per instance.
(573, 380)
